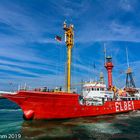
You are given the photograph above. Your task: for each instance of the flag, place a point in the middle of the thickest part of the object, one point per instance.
(58, 38)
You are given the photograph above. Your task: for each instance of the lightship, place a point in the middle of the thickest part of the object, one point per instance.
(95, 99)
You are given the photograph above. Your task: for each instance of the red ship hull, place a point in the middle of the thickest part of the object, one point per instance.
(51, 105)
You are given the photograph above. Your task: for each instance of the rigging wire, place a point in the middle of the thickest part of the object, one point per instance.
(127, 58)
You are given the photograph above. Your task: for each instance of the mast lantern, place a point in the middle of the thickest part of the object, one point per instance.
(109, 66)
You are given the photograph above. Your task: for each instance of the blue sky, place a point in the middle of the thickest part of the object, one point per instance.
(29, 52)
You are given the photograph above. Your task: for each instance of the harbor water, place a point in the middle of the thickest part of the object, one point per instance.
(110, 127)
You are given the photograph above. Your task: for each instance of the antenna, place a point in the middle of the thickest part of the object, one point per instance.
(127, 58)
(104, 53)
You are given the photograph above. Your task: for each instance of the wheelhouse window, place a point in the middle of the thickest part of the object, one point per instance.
(102, 89)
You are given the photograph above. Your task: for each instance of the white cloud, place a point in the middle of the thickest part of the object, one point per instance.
(126, 5)
(120, 29)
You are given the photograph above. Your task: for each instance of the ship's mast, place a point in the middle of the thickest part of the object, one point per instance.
(69, 42)
(129, 78)
(109, 66)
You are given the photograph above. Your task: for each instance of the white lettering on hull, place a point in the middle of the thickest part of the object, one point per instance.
(124, 106)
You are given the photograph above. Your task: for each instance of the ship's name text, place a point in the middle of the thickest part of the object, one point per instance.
(123, 106)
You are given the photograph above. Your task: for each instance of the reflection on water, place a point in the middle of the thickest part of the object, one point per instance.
(121, 126)
(103, 127)
(74, 129)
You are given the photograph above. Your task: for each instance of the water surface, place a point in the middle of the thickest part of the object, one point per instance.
(113, 127)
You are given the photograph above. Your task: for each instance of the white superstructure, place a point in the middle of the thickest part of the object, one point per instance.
(96, 89)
